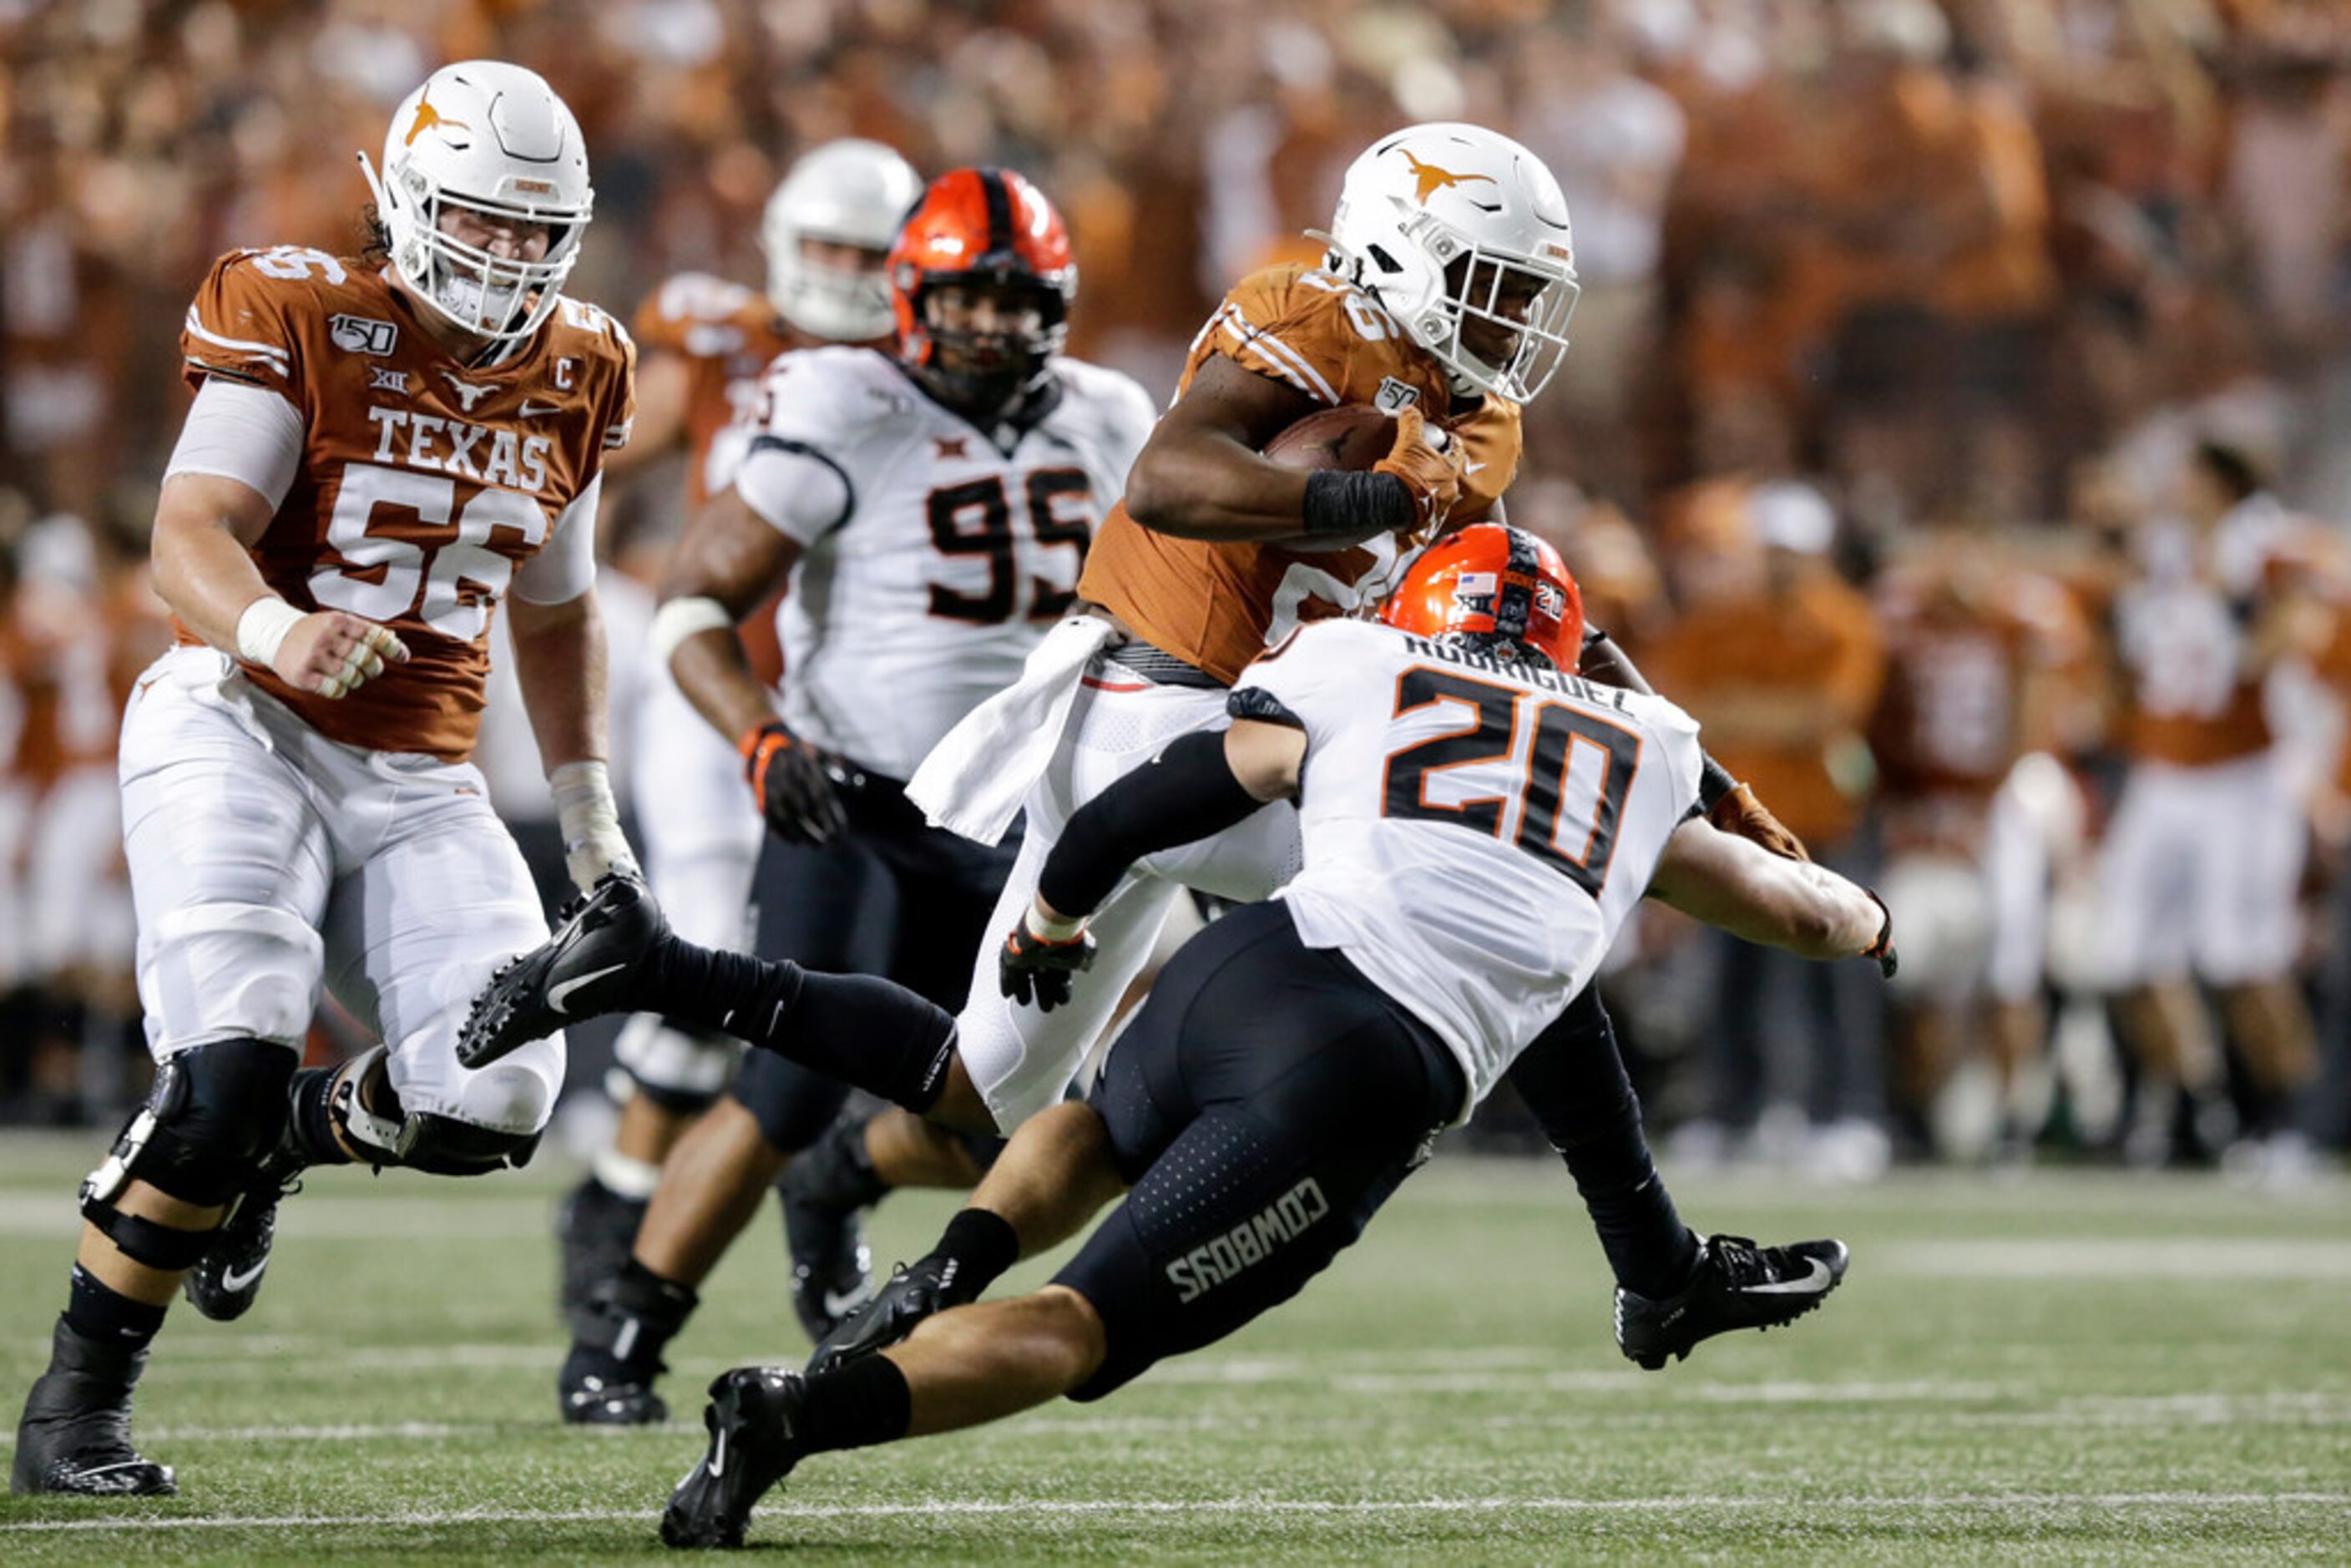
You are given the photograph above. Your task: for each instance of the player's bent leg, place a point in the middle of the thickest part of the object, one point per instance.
(972, 1365)
(1056, 1173)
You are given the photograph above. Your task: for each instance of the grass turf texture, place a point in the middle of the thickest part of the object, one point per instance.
(2077, 1368)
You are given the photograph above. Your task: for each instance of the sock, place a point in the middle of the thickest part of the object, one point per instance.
(626, 1177)
(1650, 1250)
(95, 1311)
(981, 1246)
(865, 1032)
(1575, 1082)
(857, 1405)
(835, 1171)
(637, 1315)
(312, 1129)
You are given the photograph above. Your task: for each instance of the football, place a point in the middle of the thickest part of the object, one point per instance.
(1354, 436)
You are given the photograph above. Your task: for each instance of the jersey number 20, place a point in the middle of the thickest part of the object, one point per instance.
(1567, 795)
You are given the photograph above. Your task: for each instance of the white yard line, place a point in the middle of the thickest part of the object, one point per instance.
(1240, 1508)
(2219, 1260)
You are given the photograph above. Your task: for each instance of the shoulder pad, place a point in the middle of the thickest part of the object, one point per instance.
(242, 324)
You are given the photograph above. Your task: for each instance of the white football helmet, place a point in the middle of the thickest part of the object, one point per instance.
(495, 138)
(1437, 220)
(851, 191)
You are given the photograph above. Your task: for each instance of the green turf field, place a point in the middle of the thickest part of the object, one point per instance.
(2080, 1368)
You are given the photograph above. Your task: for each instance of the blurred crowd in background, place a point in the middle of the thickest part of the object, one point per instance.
(1959, 423)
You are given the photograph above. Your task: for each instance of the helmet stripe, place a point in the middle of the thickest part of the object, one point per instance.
(1514, 603)
(999, 210)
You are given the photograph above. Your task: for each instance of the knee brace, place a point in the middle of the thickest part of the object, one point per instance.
(418, 1140)
(216, 1113)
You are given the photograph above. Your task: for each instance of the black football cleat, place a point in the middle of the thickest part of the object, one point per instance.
(75, 1437)
(753, 1418)
(1737, 1285)
(596, 1390)
(617, 1338)
(923, 1288)
(832, 1269)
(595, 1229)
(589, 966)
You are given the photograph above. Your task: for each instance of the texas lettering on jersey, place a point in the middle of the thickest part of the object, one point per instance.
(1215, 606)
(422, 483)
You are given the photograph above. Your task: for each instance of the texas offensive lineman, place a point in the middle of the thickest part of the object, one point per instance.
(705, 344)
(1443, 300)
(932, 509)
(381, 446)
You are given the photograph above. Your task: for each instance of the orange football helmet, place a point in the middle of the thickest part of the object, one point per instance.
(980, 227)
(1493, 588)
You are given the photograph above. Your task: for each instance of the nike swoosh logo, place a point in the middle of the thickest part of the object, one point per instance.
(717, 1461)
(232, 1280)
(532, 410)
(557, 995)
(1811, 1284)
(1473, 468)
(841, 1306)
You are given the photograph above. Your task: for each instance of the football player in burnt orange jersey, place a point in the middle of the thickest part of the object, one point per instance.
(2200, 870)
(705, 345)
(382, 449)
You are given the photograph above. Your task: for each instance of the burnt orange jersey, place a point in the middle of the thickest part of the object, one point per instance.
(1218, 606)
(423, 482)
(726, 334)
(2183, 630)
(1952, 717)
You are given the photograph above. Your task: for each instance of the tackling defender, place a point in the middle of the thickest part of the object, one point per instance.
(932, 509)
(381, 447)
(1477, 823)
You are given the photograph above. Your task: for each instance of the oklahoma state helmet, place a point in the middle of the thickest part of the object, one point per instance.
(983, 226)
(1494, 588)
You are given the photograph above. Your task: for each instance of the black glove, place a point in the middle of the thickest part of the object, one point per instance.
(788, 779)
(1888, 960)
(1031, 969)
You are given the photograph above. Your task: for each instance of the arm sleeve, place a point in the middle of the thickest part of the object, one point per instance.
(241, 431)
(799, 491)
(1184, 794)
(566, 568)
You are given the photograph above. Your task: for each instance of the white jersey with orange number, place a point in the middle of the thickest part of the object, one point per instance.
(1475, 832)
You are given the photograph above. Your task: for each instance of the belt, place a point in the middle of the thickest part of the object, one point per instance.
(1161, 667)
